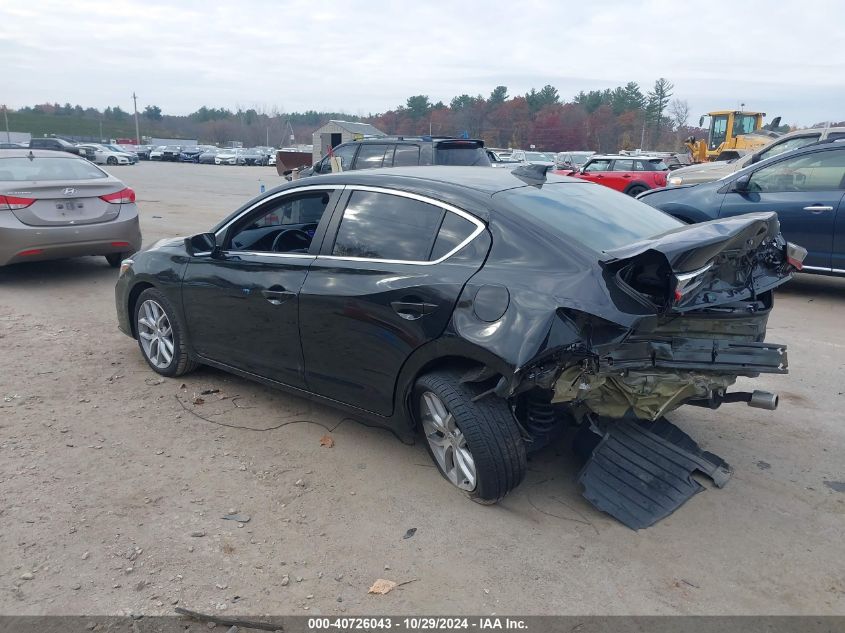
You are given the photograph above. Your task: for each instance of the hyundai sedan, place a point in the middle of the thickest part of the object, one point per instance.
(55, 205)
(482, 308)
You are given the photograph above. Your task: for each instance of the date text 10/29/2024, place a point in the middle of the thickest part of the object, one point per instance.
(421, 623)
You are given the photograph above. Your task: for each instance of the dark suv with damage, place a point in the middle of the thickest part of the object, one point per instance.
(483, 308)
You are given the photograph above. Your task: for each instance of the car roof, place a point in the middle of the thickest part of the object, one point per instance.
(481, 179)
(37, 153)
(625, 156)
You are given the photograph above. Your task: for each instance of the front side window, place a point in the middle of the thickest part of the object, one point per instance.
(819, 171)
(718, 130)
(744, 124)
(601, 164)
(343, 155)
(384, 226)
(283, 225)
(48, 168)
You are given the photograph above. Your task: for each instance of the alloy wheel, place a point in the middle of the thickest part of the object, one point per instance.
(447, 442)
(155, 334)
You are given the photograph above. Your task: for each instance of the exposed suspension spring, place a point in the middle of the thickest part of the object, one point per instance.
(540, 419)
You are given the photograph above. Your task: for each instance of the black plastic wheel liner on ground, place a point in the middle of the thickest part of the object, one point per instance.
(641, 472)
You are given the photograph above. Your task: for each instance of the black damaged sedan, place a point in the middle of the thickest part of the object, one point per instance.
(485, 309)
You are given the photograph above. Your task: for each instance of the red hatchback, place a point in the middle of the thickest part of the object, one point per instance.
(628, 174)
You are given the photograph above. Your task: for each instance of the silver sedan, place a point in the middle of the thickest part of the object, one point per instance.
(55, 205)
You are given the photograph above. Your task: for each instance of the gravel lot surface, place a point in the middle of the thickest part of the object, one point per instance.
(113, 483)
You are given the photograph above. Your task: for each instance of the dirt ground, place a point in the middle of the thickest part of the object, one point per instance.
(113, 488)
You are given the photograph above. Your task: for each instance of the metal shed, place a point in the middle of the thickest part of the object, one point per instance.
(335, 132)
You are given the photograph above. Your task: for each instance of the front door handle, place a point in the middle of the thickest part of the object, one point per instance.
(412, 310)
(277, 297)
(815, 208)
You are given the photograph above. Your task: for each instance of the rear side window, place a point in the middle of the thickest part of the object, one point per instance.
(384, 226)
(373, 156)
(406, 156)
(453, 231)
(49, 168)
(597, 217)
(462, 153)
(623, 165)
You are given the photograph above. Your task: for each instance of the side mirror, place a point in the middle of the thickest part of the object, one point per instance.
(202, 244)
(741, 183)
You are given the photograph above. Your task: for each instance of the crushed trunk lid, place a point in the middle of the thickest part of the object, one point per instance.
(708, 264)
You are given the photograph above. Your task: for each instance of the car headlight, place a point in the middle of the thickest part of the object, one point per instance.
(675, 180)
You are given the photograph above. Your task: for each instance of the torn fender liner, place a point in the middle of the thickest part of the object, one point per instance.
(641, 472)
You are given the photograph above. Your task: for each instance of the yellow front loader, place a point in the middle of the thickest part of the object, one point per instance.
(732, 133)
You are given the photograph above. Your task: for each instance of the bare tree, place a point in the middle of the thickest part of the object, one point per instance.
(679, 111)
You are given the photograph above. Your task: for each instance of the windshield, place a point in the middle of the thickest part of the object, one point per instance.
(21, 169)
(596, 216)
(466, 154)
(538, 156)
(580, 158)
(115, 148)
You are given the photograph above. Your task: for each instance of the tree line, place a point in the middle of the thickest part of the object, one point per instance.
(625, 117)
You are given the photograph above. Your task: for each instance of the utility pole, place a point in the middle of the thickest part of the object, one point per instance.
(6, 116)
(137, 133)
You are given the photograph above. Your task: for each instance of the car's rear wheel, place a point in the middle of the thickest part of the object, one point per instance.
(160, 334)
(635, 190)
(114, 259)
(476, 445)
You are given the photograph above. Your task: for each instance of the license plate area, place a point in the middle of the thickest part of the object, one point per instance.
(70, 205)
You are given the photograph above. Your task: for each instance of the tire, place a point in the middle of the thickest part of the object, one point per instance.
(635, 190)
(114, 259)
(485, 429)
(111, 160)
(151, 305)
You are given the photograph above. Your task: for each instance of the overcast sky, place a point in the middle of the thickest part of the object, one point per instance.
(366, 57)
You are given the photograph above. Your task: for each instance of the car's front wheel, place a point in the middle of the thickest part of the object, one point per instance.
(160, 334)
(111, 160)
(475, 444)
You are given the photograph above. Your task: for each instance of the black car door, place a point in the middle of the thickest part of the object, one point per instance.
(805, 191)
(386, 281)
(242, 307)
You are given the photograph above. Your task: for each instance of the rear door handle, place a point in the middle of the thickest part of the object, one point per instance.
(277, 297)
(626, 175)
(412, 310)
(815, 208)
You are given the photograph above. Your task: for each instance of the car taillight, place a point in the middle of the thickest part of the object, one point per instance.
(13, 203)
(124, 196)
(660, 180)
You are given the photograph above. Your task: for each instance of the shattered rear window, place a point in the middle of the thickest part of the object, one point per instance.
(600, 218)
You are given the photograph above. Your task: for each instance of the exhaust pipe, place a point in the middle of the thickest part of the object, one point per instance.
(756, 399)
(763, 400)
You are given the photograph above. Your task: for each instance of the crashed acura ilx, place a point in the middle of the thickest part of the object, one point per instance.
(485, 309)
